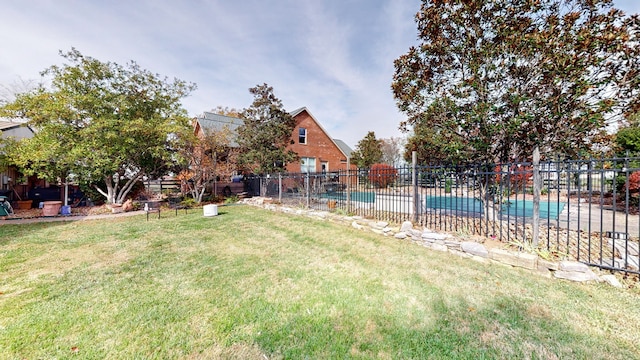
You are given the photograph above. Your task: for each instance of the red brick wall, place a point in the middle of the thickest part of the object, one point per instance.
(319, 146)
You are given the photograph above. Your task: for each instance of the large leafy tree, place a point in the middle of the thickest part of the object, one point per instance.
(102, 122)
(368, 151)
(434, 146)
(498, 78)
(266, 133)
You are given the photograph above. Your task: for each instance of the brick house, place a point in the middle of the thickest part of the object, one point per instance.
(317, 151)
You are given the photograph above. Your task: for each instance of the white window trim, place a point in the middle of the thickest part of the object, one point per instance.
(306, 166)
(306, 136)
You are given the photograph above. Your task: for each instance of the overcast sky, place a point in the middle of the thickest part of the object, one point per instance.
(334, 56)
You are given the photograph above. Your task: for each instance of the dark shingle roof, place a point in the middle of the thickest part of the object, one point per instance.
(344, 147)
(216, 122)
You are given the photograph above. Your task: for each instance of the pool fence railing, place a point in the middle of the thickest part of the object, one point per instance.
(585, 210)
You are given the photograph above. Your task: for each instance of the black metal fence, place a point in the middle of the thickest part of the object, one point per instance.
(587, 210)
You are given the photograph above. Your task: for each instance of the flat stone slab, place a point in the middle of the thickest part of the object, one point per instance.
(612, 280)
(434, 236)
(573, 266)
(381, 224)
(474, 248)
(520, 259)
(576, 276)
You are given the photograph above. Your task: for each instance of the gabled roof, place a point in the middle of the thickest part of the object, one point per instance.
(344, 148)
(18, 130)
(5, 125)
(215, 122)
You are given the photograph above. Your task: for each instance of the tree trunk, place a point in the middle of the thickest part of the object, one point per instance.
(114, 194)
(109, 194)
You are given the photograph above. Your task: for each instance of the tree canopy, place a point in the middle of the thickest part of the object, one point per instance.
(368, 151)
(102, 122)
(266, 133)
(497, 78)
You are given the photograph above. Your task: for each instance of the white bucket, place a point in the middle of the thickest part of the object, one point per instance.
(210, 210)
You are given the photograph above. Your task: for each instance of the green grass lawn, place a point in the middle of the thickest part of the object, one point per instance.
(252, 284)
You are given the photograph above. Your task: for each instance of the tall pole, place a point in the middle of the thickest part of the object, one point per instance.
(348, 184)
(537, 184)
(414, 181)
(280, 188)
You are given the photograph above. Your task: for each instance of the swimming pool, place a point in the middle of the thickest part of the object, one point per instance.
(548, 210)
(455, 203)
(361, 196)
(515, 208)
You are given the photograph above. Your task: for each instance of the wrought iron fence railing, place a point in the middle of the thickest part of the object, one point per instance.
(587, 210)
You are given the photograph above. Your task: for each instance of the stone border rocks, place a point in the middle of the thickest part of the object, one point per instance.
(568, 270)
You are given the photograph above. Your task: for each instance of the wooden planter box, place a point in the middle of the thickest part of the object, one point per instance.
(24, 204)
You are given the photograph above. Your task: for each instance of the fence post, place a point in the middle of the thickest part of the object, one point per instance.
(537, 185)
(308, 191)
(414, 181)
(280, 188)
(348, 184)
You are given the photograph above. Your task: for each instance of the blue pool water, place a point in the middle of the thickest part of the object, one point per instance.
(520, 208)
(454, 203)
(361, 196)
(548, 210)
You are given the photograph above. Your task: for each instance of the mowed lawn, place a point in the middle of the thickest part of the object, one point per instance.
(253, 284)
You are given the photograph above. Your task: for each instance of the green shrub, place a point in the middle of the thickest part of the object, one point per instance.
(231, 199)
(447, 185)
(188, 202)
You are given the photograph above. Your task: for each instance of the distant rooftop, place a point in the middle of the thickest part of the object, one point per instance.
(215, 122)
(344, 147)
(19, 130)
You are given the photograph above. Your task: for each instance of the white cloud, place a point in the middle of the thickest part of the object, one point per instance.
(334, 56)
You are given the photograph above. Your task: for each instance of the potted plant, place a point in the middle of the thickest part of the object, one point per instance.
(51, 208)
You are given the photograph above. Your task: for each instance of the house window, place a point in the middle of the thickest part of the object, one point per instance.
(302, 135)
(307, 165)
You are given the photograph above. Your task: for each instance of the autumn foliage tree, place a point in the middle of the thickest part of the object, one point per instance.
(496, 79)
(382, 175)
(206, 158)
